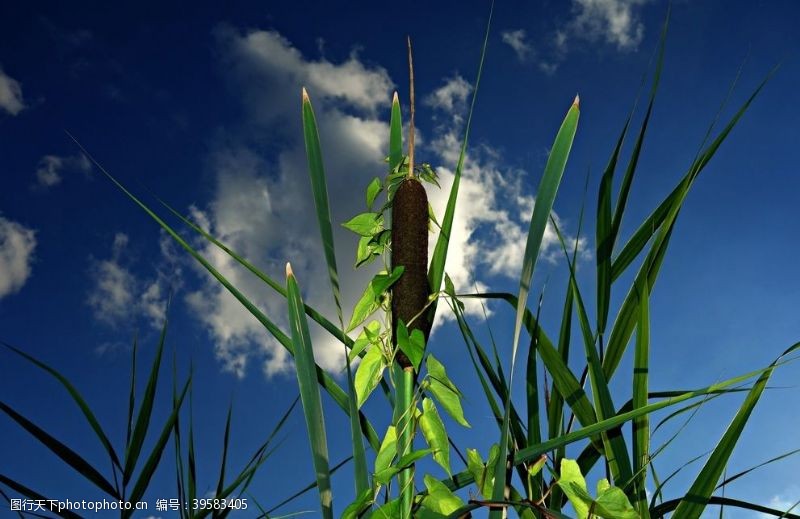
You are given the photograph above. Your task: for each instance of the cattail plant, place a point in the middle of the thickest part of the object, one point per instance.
(410, 244)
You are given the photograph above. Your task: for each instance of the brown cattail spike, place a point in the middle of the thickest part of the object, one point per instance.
(410, 250)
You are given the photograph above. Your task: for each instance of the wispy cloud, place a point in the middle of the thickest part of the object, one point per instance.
(11, 99)
(17, 244)
(518, 41)
(119, 297)
(52, 167)
(611, 22)
(616, 22)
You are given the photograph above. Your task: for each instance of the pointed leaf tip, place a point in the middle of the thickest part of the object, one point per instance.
(289, 272)
(577, 101)
(305, 94)
(395, 98)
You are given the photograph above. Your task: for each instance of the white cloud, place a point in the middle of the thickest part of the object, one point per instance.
(517, 40)
(612, 22)
(51, 167)
(266, 61)
(119, 297)
(452, 97)
(111, 299)
(617, 22)
(17, 244)
(10, 94)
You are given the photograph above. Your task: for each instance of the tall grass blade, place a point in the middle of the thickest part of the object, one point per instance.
(132, 394)
(696, 499)
(134, 447)
(532, 397)
(641, 425)
(319, 187)
(309, 393)
(545, 197)
(76, 396)
(191, 456)
(225, 443)
(180, 481)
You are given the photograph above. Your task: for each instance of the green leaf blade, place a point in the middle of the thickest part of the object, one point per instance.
(309, 393)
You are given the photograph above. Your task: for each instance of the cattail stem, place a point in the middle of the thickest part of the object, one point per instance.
(411, 124)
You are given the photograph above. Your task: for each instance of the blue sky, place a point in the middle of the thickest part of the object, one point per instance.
(201, 106)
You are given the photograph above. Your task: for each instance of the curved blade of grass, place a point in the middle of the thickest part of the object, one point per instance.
(69, 456)
(333, 389)
(134, 447)
(545, 197)
(154, 458)
(668, 506)
(439, 259)
(695, 500)
(319, 187)
(76, 396)
(32, 494)
(309, 393)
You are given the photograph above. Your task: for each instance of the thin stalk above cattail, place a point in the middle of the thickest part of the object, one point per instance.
(410, 245)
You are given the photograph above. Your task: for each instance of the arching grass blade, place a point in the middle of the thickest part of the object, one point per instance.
(545, 197)
(319, 187)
